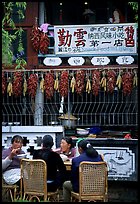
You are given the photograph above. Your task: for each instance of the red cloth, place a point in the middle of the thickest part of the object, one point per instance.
(127, 136)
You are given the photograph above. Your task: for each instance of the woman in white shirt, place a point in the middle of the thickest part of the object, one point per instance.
(11, 162)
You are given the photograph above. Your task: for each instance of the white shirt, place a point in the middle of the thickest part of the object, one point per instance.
(10, 176)
(5, 163)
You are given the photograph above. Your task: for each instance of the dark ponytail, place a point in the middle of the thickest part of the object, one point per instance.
(88, 148)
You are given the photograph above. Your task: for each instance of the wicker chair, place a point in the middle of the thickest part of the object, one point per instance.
(34, 181)
(93, 183)
(9, 191)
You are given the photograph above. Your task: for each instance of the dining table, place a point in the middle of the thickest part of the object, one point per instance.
(68, 164)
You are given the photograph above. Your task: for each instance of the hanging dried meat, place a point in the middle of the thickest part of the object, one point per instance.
(49, 85)
(127, 82)
(111, 81)
(80, 77)
(32, 83)
(96, 76)
(63, 85)
(17, 84)
(4, 83)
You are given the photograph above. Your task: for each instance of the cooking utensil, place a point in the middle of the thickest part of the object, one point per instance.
(68, 120)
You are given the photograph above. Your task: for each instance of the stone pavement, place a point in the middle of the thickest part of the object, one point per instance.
(119, 191)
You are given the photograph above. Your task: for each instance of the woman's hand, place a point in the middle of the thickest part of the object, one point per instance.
(13, 153)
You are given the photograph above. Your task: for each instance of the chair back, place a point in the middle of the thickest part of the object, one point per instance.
(93, 180)
(34, 178)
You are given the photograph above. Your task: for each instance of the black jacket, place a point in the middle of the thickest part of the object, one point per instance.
(56, 170)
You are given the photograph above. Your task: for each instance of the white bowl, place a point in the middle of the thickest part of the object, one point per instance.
(21, 156)
(64, 157)
(82, 132)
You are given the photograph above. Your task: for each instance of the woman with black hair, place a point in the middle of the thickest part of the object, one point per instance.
(11, 161)
(87, 153)
(66, 148)
(56, 170)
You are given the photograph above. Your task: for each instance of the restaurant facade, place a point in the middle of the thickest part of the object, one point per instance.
(80, 80)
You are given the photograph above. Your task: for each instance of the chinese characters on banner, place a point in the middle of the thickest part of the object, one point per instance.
(96, 39)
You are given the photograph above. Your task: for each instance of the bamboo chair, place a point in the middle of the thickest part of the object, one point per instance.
(34, 181)
(93, 183)
(9, 191)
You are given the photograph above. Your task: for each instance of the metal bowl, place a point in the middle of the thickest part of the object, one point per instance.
(68, 120)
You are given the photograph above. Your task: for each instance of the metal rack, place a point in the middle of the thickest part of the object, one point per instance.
(106, 110)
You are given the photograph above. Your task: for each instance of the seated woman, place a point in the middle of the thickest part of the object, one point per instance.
(86, 153)
(66, 148)
(56, 170)
(11, 161)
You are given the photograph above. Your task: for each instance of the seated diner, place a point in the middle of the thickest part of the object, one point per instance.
(67, 149)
